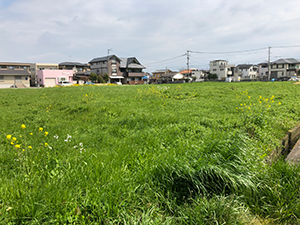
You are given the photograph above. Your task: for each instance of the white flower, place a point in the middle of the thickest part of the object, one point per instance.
(56, 136)
(80, 144)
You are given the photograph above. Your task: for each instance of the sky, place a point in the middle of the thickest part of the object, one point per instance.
(158, 32)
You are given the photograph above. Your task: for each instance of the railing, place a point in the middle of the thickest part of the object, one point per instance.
(136, 74)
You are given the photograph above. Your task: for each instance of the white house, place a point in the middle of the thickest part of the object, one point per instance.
(248, 71)
(221, 68)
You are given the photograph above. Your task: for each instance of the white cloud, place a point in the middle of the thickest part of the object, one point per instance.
(52, 30)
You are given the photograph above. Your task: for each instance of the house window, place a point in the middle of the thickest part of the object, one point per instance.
(2, 67)
(113, 61)
(114, 70)
(221, 69)
(1, 78)
(280, 66)
(214, 69)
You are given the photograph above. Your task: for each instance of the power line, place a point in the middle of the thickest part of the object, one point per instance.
(231, 52)
(165, 60)
(289, 46)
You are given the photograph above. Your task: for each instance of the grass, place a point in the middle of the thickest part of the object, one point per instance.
(168, 154)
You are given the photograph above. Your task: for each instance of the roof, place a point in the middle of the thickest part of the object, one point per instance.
(162, 71)
(286, 61)
(186, 71)
(244, 66)
(14, 64)
(14, 72)
(218, 60)
(132, 63)
(72, 64)
(104, 58)
(169, 74)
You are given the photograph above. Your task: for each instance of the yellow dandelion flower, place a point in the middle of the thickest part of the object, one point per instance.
(249, 97)
(29, 147)
(46, 144)
(18, 146)
(260, 97)
(14, 139)
(259, 102)
(244, 103)
(279, 103)
(8, 136)
(23, 126)
(241, 104)
(40, 129)
(12, 143)
(46, 133)
(31, 134)
(23, 150)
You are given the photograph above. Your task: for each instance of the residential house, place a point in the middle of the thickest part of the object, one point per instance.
(81, 71)
(34, 67)
(221, 68)
(123, 70)
(263, 69)
(132, 71)
(248, 71)
(197, 75)
(158, 73)
(167, 78)
(51, 78)
(14, 74)
(284, 68)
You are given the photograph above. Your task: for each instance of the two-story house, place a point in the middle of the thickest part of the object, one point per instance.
(14, 74)
(248, 71)
(123, 70)
(284, 68)
(221, 68)
(81, 71)
(156, 75)
(34, 67)
(132, 71)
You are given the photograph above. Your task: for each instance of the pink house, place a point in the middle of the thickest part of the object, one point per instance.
(50, 78)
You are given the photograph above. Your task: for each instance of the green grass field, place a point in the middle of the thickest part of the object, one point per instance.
(166, 154)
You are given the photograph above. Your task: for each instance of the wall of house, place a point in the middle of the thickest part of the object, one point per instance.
(44, 74)
(220, 68)
(7, 81)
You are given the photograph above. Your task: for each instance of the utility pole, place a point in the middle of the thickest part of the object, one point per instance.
(188, 62)
(269, 63)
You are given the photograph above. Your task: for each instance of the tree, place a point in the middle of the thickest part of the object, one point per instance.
(212, 76)
(106, 77)
(100, 79)
(93, 77)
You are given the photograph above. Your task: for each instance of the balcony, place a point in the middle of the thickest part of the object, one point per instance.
(136, 74)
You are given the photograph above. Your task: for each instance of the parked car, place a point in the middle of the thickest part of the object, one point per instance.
(294, 78)
(65, 83)
(282, 79)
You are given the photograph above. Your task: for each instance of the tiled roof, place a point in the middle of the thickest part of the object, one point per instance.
(286, 61)
(104, 58)
(72, 64)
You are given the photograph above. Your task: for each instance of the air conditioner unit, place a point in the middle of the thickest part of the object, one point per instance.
(60, 79)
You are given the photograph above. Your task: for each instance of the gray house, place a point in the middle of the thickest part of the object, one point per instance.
(123, 70)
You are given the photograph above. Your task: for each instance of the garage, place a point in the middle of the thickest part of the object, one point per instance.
(50, 82)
